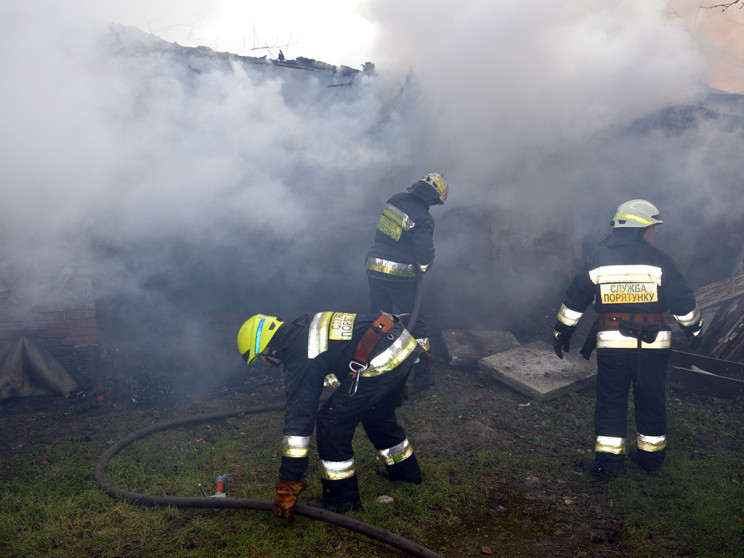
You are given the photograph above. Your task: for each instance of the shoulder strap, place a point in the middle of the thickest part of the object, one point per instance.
(382, 325)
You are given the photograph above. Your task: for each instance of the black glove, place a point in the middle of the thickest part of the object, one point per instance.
(561, 342)
(562, 338)
(694, 335)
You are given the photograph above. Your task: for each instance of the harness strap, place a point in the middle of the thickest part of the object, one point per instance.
(613, 319)
(382, 325)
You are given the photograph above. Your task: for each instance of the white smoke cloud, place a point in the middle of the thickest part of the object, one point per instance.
(214, 183)
(513, 80)
(194, 183)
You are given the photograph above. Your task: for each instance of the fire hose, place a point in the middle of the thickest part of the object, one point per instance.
(416, 310)
(416, 302)
(349, 523)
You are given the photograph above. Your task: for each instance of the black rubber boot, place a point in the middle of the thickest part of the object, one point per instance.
(407, 470)
(422, 379)
(340, 496)
(339, 507)
(591, 466)
(647, 460)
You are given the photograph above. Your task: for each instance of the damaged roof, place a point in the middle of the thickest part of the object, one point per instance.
(722, 304)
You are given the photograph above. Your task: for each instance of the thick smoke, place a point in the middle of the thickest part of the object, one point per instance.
(515, 85)
(203, 188)
(549, 115)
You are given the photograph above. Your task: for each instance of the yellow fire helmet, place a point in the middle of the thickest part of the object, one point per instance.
(255, 334)
(439, 183)
(636, 214)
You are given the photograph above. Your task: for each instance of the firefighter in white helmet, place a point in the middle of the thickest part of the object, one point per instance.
(366, 359)
(632, 285)
(403, 249)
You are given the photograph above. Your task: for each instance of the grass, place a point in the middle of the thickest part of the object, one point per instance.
(500, 473)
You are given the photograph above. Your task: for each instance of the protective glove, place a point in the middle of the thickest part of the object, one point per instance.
(562, 338)
(286, 497)
(694, 335)
(695, 342)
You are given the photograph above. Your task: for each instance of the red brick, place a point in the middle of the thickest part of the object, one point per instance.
(81, 314)
(74, 341)
(50, 316)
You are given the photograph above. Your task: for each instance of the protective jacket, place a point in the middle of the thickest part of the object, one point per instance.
(404, 240)
(629, 279)
(321, 351)
(632, 284)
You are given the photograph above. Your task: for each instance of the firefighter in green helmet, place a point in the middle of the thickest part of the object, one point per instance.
(366, 359)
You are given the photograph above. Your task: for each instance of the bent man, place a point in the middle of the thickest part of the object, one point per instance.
(366, 359)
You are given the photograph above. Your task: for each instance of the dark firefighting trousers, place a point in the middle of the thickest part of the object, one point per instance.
(616, 371)
(374, 406)
(395, 297)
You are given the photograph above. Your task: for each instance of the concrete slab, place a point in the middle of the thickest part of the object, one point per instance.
(537, 372)
(465, 347)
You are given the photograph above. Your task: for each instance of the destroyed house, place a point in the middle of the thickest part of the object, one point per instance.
(65, 315)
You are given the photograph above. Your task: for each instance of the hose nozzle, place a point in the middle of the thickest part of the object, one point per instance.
(219, 484)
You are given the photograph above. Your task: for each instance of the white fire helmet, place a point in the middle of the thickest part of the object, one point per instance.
(439, 183)
(636, 214)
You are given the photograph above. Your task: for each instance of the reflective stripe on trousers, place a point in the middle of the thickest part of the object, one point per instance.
(396, 454)
(610, 444)
(337, 470)
(650, 443)
(295, 446)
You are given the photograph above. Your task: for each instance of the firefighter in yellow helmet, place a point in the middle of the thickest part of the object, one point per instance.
(632, 285)
(403, 249)
(366, 359)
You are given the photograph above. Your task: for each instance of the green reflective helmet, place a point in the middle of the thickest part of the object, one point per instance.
(255, 334)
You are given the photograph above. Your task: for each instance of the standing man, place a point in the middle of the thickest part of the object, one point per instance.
(403, 250)
(367, 359)
(632, 284)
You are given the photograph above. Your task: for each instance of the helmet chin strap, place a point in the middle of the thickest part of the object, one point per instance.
(649, 234)
(269, 355)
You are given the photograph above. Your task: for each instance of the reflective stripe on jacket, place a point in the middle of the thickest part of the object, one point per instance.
(323, 347)
(338, 326)
(389, 267)
(628, 275)
(404, 240)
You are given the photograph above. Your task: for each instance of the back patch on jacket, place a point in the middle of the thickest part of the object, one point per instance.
(628, 293)
(627, 284)
(394, 221)
(389, 228)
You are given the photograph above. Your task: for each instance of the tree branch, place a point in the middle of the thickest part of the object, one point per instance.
(724, 6)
